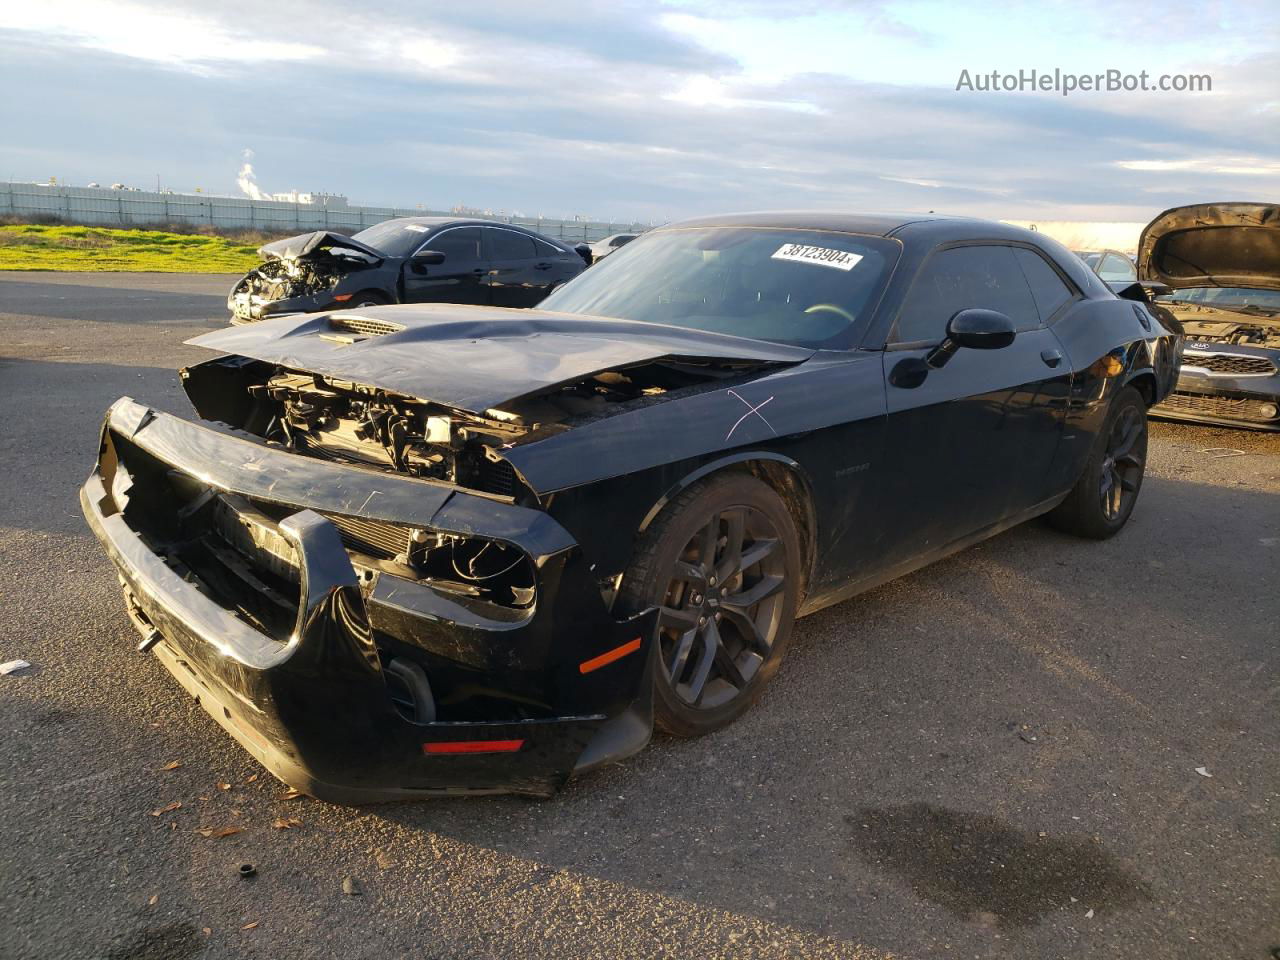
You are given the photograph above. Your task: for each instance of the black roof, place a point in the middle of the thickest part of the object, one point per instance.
(481, 222)
(868, 224)
(464, 221)
(917, 232)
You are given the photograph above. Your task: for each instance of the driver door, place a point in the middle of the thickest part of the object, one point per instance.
(971, 443)
(459, 279)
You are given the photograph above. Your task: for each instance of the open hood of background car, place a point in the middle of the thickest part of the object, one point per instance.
(1213, 245)
(304, 244)
(477, 358)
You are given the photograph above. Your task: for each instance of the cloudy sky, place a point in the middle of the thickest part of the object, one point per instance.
(648, 110)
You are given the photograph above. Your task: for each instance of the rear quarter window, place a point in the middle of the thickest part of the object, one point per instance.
(1048, 289)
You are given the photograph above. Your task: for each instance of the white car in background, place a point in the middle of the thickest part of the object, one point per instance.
(602, 248)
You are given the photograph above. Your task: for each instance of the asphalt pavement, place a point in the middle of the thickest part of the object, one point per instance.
(1042, 747)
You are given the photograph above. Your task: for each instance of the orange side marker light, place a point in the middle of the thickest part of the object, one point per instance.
(617, 653)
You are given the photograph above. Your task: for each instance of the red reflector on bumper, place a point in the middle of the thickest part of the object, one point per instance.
(344, 297)
(472, 746)
(617, 653)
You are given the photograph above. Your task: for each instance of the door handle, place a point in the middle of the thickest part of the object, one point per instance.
(479, 271)
(1051, 357)
(542, 266)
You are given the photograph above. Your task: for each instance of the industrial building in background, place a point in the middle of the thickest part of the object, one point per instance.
(292, 212)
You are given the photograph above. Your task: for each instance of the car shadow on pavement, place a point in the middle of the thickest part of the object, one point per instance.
(998, 744)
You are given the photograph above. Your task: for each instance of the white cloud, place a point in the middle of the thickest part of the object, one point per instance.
(148, 33)
(701, 90)
(1230, 166)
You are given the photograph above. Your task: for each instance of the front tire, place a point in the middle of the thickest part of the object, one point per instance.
(368, 298)
(722, 564)
(1100, 503)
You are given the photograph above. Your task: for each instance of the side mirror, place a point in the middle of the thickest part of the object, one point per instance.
(432, 257)
(976, 329)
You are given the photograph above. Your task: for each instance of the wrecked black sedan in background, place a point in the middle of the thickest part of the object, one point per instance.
(407, 260)
(1221, 264)
(413, 550)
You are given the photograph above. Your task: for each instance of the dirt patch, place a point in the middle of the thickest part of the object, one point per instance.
(984, 869)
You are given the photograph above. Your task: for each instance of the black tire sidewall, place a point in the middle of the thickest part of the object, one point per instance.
(671, 532)
(1081, 513)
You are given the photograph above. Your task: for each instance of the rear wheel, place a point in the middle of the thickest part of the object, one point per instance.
(722, 564)
(1103, 498)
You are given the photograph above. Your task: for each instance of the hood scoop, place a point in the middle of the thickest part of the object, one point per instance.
(362, 327)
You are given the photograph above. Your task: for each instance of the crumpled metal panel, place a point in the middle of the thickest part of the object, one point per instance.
(295, 248)
(477, 358)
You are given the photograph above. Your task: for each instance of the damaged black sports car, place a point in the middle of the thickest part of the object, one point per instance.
(1222, 263)
(406, 260)
(413, 550)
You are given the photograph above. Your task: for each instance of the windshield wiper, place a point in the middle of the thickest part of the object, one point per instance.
(1265, 315)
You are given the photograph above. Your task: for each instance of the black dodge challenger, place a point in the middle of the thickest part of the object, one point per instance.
(406, 260)
(444, 549)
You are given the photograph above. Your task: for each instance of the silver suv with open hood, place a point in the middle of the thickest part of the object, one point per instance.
(1221, 262)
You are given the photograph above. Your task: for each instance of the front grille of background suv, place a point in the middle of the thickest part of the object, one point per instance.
(1228, 408)
(1230, 363)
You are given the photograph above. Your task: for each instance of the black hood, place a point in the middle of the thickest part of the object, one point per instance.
(1213, 245)
(475, 358)
(306, 244)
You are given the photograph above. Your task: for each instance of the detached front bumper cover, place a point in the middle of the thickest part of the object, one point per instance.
(314, 708)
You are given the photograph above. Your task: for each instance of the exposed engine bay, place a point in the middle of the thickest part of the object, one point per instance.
(344, 421)
(281, 278)
(1222, 326)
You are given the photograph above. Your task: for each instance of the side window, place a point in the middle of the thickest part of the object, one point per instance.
(507, 245)
(1117, 268)
(959, 279)
(1047, 288)
(547, 250)
(459, 245)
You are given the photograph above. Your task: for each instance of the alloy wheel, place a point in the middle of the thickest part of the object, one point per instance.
(1122, 463)
(722, 607)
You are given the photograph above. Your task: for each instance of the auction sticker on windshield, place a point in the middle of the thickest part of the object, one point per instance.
(822, 256)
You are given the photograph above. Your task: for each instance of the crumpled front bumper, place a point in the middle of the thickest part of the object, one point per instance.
(249, 308)
(314, 707)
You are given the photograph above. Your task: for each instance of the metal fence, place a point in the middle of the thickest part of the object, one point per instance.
(103, 207)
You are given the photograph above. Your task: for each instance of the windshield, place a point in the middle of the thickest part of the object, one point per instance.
(803, 287)
(396, 238)
(1233, 298)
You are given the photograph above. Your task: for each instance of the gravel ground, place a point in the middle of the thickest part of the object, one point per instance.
(994, 757)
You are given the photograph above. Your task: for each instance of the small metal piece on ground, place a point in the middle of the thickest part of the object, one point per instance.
(247, 870)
